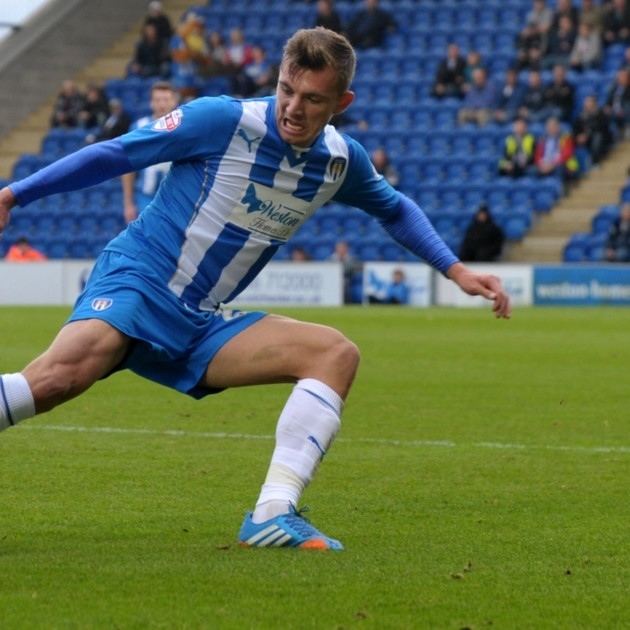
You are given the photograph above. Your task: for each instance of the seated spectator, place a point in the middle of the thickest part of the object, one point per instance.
(533, 60)
(160, 20)
(617, 106)
(473, 61)
(618, 244)
(238, 52)
(346, 119)
(115, 125)
(561, 42)
(394, 292)
(68, 104)
(617, 23)
(370, 25)
(587, 50)
(509, 97)
(350, 265)
(218, 55)
(518, 153)
(483, 241)
(534, 107)
(592, 130)
(593, 15)
(559, 95)
(564, 9)
(299, 254)
(384, 167)
(22, 251)
(449, 78)
(535, 33)
(479, 101)
(190, 54)
(151, 58)
(327, 16)
(555, 153)
(255, 78)
(95, 108)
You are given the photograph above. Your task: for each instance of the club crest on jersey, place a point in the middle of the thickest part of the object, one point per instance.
(169, 122)
(101, 304)
(337, 167)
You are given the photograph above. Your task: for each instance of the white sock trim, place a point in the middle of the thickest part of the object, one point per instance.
(16, 398)
(322, 391)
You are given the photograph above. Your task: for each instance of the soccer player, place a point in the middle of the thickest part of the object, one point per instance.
(140, 188)
(245, 176)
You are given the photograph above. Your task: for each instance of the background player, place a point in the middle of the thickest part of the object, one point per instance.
(245, 176)
(140, 188)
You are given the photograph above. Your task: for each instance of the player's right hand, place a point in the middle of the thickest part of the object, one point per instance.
(7, 201)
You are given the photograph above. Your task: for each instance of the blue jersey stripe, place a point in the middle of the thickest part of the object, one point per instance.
(313, 173)
(227, 245)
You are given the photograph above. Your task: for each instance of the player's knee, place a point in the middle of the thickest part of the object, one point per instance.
(343, 355)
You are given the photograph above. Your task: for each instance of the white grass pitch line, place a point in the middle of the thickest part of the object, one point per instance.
(377, 441)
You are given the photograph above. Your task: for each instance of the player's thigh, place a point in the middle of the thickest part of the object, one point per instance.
(82, 352)
(279, 349)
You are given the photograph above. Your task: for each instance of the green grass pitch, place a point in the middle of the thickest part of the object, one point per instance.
(481, 479)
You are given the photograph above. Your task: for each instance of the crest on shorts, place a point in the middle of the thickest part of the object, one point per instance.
(337, 167)
(101, 304)
(169, 122)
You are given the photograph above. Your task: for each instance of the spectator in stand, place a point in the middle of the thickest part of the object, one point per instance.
(534, 104)
(483, 241)
(327, 16)
(509, 97)
(533, 61)
(299, 254)
(592, 130)
(617, 106)
(256, 78)
(68, 105)
(473, 61)
(238, 52)
(618, 244)
(593, 15)
(587, 50)
(384, 167)
(191, 55)
(160, 20)
(535, 33)
(560, 95)
(350, 265)
(22, 251)
(518, 153)
(151, 58)
(555, 153)
(617, 23)
(95, 110)
(370, 25)
(480, 100)
(449, 78)
(116, 124)
(565, 8)
(218, 55)
(561, 42)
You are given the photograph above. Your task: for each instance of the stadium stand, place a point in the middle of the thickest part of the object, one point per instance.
(449, 169)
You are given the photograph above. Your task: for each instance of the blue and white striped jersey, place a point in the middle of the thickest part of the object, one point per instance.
(235, 192)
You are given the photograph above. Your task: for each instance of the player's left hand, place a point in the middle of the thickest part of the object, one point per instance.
(487, 285)
(7, 201)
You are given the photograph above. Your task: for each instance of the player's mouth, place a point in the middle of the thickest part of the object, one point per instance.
(291, 127)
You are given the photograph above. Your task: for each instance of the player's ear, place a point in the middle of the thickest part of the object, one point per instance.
(344, 102)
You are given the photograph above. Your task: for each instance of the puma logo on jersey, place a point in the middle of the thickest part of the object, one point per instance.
(241, 134)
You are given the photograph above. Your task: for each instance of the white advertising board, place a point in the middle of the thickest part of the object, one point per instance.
(517, 280)
(295, 284)
(378, 277)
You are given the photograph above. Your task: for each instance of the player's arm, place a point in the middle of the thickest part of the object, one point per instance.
(130, 210)
(408, 225)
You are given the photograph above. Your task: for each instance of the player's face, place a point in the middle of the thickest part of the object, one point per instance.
(162, 102)
(306, 101)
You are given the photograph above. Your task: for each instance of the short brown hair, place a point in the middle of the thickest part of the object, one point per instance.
(319, 48)
(162, 85)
